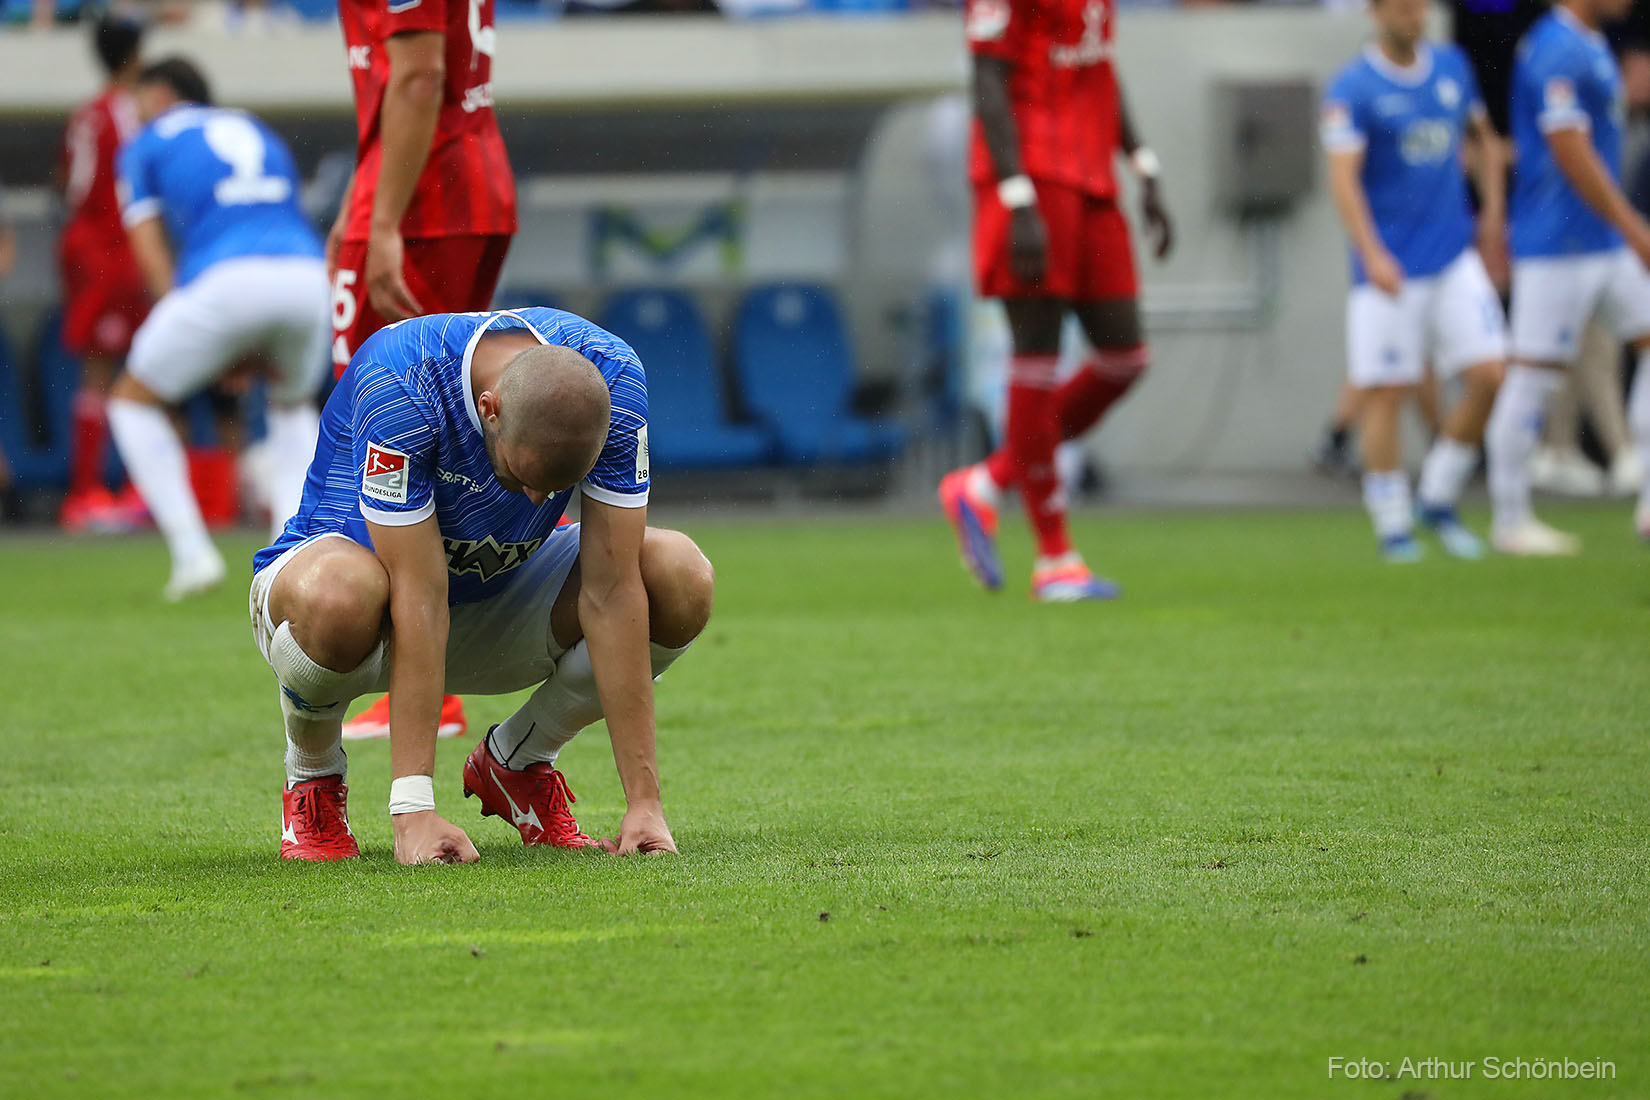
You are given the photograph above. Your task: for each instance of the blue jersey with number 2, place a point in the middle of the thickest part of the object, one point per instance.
(224, 184)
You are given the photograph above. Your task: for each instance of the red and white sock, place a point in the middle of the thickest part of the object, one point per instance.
(1028, 450)
(1099, 384)
(88, 441)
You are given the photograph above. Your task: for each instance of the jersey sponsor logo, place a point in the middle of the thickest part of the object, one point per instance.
(487, 557)
(396, 7)
(385, 474)
(1090, 49)
(360, 57)
(1427, 142)
(641, 454)
(478, 98)
(987, 20)
(451, 478)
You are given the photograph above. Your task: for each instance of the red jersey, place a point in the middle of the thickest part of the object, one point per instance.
(466, 188)
(1063, 88)
(94, 237)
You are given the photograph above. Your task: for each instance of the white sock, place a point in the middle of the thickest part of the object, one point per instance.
(1510, 440)
(313, 701)
(1444, 474)
(292, 436)
(981, 484)
(1638, 420)
(1386, 497)
(561, 707)
(153, 454)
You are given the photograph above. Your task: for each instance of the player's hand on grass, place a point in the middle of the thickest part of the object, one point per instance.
(424, 836)
(387, 288)
(1384, 273)
(642, 830)
(1028, 245)
(1157, 220)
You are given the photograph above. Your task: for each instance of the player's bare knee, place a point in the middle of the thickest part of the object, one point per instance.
(336, 609)
(680, 584)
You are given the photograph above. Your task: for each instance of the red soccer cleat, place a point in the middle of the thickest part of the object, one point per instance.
(375, 720)
(314, 823)
(535, 801)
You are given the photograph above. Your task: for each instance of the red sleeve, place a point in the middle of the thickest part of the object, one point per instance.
(402, 16)
(994, 28)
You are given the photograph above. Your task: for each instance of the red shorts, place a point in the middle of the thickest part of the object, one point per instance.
(445, 274)
(101, 314)
(1090, 258)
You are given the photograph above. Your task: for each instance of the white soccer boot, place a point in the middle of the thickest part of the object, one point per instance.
(1535, 540)
(1565, 471)
(200, 573)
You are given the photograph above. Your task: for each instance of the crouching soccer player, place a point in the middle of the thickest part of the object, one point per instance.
(427, 557)
(1393, 126)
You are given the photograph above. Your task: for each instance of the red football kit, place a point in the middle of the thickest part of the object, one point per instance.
(1063, 93)
(103, 292)
(458, 225)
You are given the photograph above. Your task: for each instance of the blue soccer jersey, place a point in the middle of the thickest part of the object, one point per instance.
(1564, 77)
(1409, 122)
(224, 184)
(401, 441)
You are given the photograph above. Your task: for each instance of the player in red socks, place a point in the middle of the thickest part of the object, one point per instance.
(103, 293)
(1049, 237)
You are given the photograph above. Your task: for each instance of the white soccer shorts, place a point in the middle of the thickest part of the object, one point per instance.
(494, 646)
(1453, 318)
(279, 305)
(1554, 298)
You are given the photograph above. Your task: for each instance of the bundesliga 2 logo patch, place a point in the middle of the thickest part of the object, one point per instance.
(385, 475)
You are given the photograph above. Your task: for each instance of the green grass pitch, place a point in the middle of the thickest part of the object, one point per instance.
(1281, 803)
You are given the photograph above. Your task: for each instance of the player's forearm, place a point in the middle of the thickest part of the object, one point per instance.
(996, 115)
(1352, 206)
(406, 121)
(418, 644)
(1490, 174)
(615, 622)
(1128, 139)
(1592, 181)
(154, 258)
(348, 200)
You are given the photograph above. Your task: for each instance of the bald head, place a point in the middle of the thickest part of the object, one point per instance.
(552, 409)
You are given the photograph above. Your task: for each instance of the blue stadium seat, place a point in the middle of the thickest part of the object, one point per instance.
(688, 427)
(314, 10)
(795, 372)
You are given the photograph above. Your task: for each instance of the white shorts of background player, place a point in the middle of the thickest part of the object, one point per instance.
(1553, 299)
(277, 305)
(1452, 319)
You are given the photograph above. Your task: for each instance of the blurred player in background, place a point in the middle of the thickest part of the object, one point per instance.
(428, 552)
(1577, 244)
(210, 199)
(103, 292)
(428, 215)
(1049, 238)
(1394, 125)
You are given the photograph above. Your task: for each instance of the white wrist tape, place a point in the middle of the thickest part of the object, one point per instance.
(1145, 163)
(412, 793)
(1017, 192)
